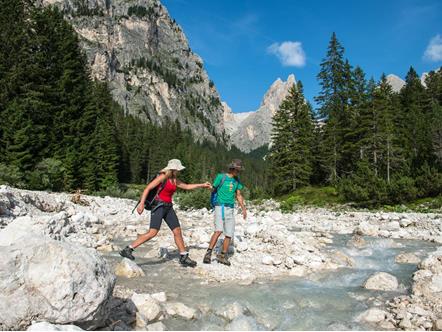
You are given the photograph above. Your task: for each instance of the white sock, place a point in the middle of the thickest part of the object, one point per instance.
(130, 246)
(183, 253)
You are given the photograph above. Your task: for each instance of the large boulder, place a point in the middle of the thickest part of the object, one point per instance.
(381, 281)
(58, 282)
(45, 326)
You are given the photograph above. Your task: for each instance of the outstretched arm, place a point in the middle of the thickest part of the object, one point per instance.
(186, 186)
(240, 199)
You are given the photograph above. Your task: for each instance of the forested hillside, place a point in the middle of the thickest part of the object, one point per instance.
(60, 130)
(375, 145)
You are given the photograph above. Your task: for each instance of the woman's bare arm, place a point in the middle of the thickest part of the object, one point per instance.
(185, 186)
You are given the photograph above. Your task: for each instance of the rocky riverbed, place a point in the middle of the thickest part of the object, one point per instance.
(376, 253)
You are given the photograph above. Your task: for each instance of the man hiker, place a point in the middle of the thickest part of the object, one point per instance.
(228, 187)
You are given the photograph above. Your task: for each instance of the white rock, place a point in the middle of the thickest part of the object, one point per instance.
(392, 226)
(76, 291)
(252, 229)
(180, 309)
(267, 260)
(407, 258)
(242, 246)
(437, 325)
(436, 284)
(158, 326)
(160, 297)
(231, 311)
(45, 326)
(20, 227)
(79, 218)
(404, 222)
(129, 269)
(147, 307)
(381, 281)
(372, 315)
(415, 309)
(365, 228)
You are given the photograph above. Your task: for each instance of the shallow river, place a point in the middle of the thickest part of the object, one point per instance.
(323, 301)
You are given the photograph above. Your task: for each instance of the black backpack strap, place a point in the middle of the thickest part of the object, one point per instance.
(160, 187)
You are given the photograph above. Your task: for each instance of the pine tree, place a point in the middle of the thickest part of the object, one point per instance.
(333, 101)
(433, 106)
(292, 142)
(416, 120)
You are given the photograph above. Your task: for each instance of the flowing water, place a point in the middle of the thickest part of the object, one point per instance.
(322, 301)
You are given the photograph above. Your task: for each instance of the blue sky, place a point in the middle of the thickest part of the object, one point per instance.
(247, 44)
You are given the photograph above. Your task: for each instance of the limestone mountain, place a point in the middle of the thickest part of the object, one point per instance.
(144, 55)
(397, 83)
(251, 130)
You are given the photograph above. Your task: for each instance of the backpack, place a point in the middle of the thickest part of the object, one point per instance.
(214, 194)
(150, 199)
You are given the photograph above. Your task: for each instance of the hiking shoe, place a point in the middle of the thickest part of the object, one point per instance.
(186, 261)
(208, 257)
(223, 259)
(127, 252)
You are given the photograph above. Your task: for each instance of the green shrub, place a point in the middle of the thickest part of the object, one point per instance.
(48, 175)
(195, 199)
(402, 189)
(11, 175)
(289, 204)
(428, 182)
(364, 187)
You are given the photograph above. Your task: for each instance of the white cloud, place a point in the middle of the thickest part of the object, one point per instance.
(290, 53)
(434, 49)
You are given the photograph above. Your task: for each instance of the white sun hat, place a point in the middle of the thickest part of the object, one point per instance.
(174, 164)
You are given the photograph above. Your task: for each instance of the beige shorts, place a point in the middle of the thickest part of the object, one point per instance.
(226, 224)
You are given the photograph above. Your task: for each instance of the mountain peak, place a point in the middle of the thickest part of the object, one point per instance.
(395, 82)
(276, 94)
(254, 128)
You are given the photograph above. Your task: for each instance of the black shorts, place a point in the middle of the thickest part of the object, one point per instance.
(164, 212)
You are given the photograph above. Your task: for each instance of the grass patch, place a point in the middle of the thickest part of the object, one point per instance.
(123, 190)
(311, 196)
(422, 205)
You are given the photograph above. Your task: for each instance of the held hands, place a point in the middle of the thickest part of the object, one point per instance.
(206, 185)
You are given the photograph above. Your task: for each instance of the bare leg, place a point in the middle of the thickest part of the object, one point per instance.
(144, 237)
(178, 237)
(213, 239)
(226, 244)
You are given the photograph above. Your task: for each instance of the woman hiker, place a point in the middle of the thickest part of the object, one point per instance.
(228, 188)
(162, 208)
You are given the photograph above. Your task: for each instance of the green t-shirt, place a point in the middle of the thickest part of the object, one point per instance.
(226, 192)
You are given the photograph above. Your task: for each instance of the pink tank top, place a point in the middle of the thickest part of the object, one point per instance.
(167, 192)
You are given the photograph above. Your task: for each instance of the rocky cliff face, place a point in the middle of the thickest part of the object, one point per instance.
(144, 55)
(249, 131)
